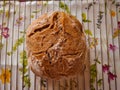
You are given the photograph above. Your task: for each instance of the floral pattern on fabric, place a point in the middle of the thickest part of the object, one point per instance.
(5, 75)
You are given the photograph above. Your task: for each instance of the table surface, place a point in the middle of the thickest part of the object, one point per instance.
(101, 23)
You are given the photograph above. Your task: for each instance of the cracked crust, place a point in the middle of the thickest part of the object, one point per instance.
(56, 46)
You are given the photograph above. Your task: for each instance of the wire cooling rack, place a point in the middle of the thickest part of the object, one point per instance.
(101, 23)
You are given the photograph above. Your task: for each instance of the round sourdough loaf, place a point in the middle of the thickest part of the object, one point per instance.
(56, 46)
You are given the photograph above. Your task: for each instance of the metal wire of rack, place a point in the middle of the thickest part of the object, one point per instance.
(101, 23)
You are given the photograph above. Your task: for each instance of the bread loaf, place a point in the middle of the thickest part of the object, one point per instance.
(56, 46)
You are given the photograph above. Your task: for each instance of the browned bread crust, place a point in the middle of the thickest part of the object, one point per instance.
(56, 46)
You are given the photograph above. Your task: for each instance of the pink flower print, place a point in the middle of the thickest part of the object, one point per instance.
(111, 76)
(6, 29)
(22, 0)
(112, 47)
(5, 34)
(105, 68)
(118, 24)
